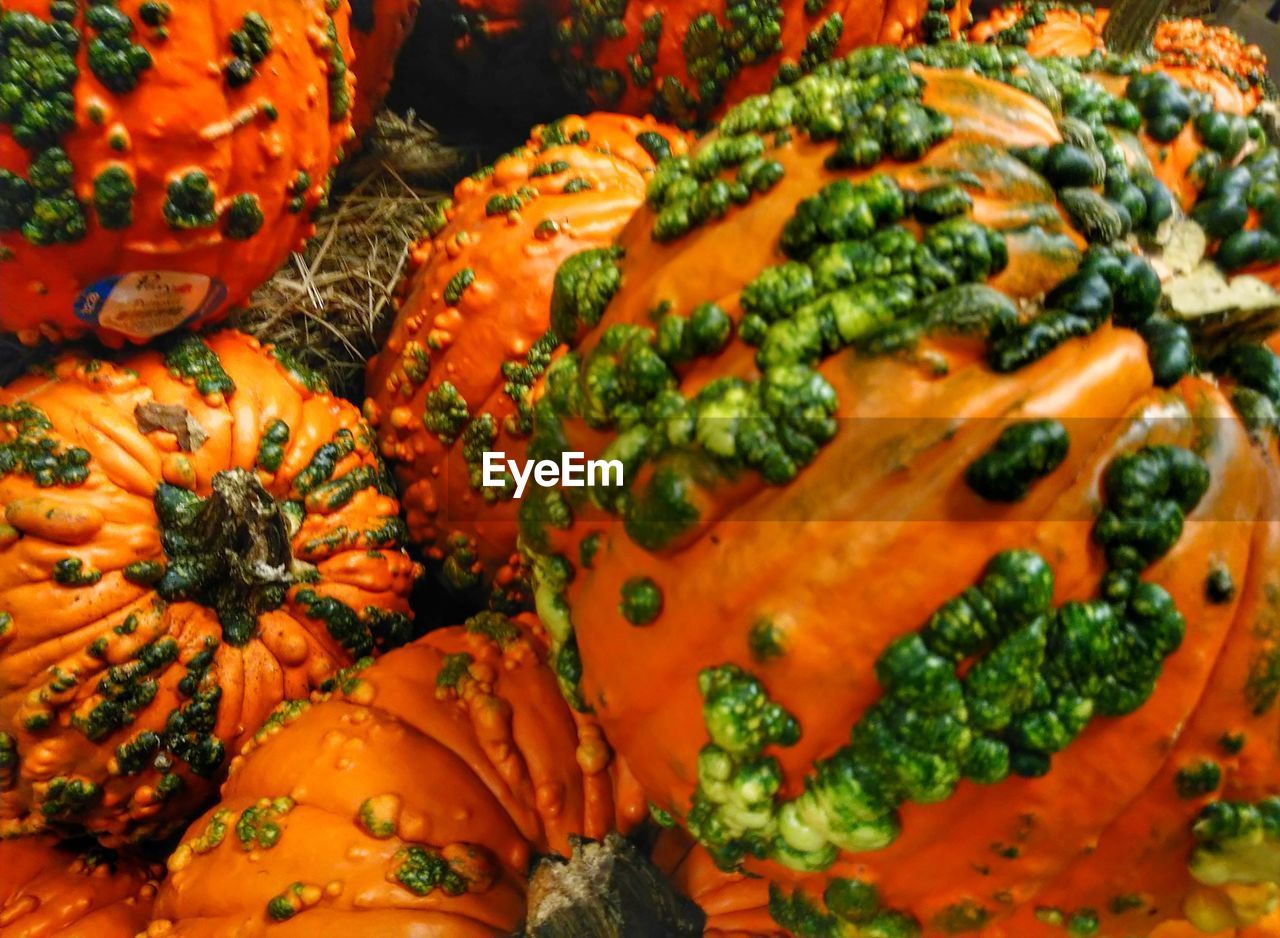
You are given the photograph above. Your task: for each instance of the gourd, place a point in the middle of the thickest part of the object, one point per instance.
(159, 161)
(737, 906)
(935, 591)
(470, 336)
(1044, 28)
(408, 799)
(378, 30)
(188, 536)
(51, 890)
(687, 61)
(1211, 59)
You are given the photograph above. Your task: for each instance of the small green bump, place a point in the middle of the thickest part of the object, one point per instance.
(765, 641)
(458, 284)
(243, 218)
(641, 600)
(1198, 779)
(1218, 586)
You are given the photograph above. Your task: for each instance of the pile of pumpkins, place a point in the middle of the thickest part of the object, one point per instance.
(942, 594)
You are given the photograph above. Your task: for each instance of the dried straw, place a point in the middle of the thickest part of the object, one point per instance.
(332, 304)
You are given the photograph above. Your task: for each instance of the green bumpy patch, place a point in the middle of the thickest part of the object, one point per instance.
(715, 50)
(446, 412)
(452, 670)
(122, 692)
(243, 218)
(850, 908)
(189, 203)
(287, 904)
(38, 74)
(34, 453)
(250, 45)
(113, 192)
(422, 870)
(1023, 453)
(114, 58)
(339, 95)
(258, 827)
(1237, 845)
(994, 684)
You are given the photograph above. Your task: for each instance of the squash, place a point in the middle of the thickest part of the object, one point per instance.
(188, 537)
(1211, 59)
(468, 340)
(687, 61)
(378, 30)
(159, 162)
(939, 589)
(737, 906)
(48, 890)
(410, 799)
(1044, 28)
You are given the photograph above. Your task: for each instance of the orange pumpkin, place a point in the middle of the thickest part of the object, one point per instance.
(49, 891)
(189, 537)
(468, 341)
(1044, 28)
(687, 61)
(378, 30)
(939, 592)
(1215, 60)
(737, 906)
(1211, 59)
(409, 801)
(159, 162)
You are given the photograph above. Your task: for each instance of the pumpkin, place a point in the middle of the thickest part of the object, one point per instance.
(1044, 28)
(468, 342)
(737, 906)
(378, 30)
(159, 162)
(687, 61)
(939, 593)
(1211, 59)
(410, 800)
(51, 891)
(189, 537)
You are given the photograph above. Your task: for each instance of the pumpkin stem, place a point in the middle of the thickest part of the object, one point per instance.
(606, 889)
(229, 552)
(1131, 27)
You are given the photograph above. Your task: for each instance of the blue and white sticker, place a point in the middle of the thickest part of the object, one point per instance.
(146, 304)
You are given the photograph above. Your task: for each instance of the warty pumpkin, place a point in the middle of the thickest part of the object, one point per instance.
(53, 891)
(189, 537)
(452, 379)
(409, 800)
(940, 590)
(687, 61)
(159, 162)
(737, 905)
(1211, 59)
(1043, 28)
(378, 29)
